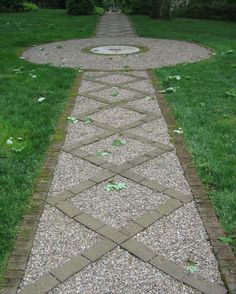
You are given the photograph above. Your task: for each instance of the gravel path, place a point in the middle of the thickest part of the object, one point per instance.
(108, 217)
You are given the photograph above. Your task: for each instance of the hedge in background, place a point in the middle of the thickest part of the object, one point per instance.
(80, 7)
(140, 7)
(11, 5)
(209, 9)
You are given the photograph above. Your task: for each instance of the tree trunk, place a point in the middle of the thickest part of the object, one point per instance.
(156, 8)
(165, 9)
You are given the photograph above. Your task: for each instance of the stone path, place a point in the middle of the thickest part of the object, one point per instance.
(146, 238)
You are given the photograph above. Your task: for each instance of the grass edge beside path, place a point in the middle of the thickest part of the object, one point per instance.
(204, 104)
(27, 125)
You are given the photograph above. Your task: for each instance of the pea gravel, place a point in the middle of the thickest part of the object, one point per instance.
(161, 53)
(58, 239)
(144, 86)
(167, 170)
(79, 131)
(156, 130)
(83, 104)
(116, 78)
(148, 103)
(181, 237)
(119, 154)
(117, 116)
(70, 171)
(89, 86)
(118, 272)
(118, 208)
(115, 94)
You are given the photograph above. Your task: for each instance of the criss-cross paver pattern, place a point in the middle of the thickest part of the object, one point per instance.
(145, 238)
(138, 240)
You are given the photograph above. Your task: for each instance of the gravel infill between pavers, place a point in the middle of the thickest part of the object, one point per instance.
(145, 85)
(116, 78)
(70, 171)
(118, 154)
(88, 86)
(79, 131)
(167, 170)
(118, 208)
(117, 116)
(160, 53)
(58, 238)
(156, 130)
(181, 237)
(84, 104)
(114, 94)
(145, 104)
(118, 272)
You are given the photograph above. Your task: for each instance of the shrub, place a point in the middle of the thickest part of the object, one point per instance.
(11, 5)
(136, 6)
(80, 7)
(30, 7)
(99, 10)
(210, 9)
(99, 3)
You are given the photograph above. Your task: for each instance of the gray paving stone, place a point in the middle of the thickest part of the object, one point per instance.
(60, 197)
(42, 285)
(80, 153)
(68, 208)
(138, 250)
(204, 286)
(82, 187)
(89, 221)
(148, 218)
(131, 230)
(103, 176)
(112, 234)
(132, 176)
(169, 206)
(179, 196)
(71, 267)
(169, 267)
(153, 185)
(99, 249)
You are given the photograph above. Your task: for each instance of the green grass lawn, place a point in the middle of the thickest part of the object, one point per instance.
(30, 124)
(205, 105)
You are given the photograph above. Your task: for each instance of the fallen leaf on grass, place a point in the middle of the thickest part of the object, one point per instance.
(168, 90)
(33, 76)
(116, 186)
(177, 78)
(179, 131)
(41, 99)
(9, 141)
(18, 70)
(231, 94)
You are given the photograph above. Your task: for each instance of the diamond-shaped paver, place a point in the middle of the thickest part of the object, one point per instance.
(116, 78)
(167, 170)
(118, 208)
(117, 116)
(181, 238)
(120, 272)
(58, 239)
(118, 154)
(115, 94)
(84, 104)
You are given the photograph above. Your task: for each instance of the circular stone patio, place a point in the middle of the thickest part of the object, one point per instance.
(154, 53)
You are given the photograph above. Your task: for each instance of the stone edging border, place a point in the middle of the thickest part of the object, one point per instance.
(19, 256)
(223, 252)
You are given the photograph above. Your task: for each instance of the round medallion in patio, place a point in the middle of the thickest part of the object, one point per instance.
(115, 50)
